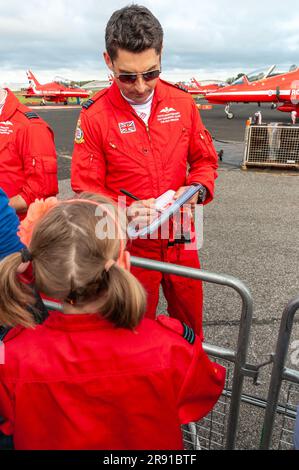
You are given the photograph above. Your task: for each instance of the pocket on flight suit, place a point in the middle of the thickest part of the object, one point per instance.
(50, 174)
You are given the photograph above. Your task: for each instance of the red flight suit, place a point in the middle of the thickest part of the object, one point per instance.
(114, 149)
(28, 164)
(78, 382)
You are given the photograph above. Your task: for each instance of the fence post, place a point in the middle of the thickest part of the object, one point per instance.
(280, 357)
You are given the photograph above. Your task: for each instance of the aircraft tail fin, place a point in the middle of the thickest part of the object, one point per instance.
(33, 82)
(195, 82)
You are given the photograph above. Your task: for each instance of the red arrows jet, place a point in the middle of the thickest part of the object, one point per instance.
(201, 88)
(270, 86)
(57, 91)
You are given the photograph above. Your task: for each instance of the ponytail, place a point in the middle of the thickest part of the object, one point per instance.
(15, 296)
(124, 301)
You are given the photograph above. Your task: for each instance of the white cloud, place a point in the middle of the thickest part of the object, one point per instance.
(66, 37)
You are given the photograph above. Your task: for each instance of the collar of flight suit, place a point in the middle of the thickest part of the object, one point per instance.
(115, 97)
(76, 322)
(10, 106)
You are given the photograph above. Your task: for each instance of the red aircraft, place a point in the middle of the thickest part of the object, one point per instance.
(270, 86)
(201, 88)
(58, 91)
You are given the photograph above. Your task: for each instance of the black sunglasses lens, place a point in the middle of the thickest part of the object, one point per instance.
(132, 77)
(127, 78)
(151, 75)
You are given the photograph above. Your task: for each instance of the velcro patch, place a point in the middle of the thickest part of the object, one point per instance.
(87, 104)
(3, 331)
(31, 115)
(188, 333)
(181, 87)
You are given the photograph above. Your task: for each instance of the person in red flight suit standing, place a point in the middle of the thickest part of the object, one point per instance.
(28, 164)
(146, 136)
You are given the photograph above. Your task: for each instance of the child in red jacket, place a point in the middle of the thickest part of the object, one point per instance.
(96, 375)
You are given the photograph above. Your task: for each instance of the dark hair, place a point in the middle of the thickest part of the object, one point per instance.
(133, 28)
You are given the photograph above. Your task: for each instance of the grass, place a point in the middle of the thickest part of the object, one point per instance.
(36, 101)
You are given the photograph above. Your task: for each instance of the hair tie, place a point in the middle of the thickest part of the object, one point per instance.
(26, 255)
(108, 264)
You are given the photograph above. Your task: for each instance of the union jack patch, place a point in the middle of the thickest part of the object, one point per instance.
(127, 127)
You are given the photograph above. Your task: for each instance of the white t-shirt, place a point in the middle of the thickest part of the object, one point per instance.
(143, 110)
(2, 100)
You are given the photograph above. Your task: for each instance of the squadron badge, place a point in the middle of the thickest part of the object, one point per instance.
(79, 134)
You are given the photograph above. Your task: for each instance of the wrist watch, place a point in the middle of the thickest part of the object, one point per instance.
(202, 193)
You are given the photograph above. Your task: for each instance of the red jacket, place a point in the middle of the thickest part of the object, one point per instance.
(78, 382)
(114, 148)
(28, 164)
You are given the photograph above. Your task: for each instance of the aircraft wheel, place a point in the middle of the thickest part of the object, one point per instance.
(273, 106)
(230, 115)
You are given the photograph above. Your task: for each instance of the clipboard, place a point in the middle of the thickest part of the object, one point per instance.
(166, 214)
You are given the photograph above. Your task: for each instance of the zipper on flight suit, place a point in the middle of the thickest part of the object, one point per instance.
(148, 133)
(149, 139)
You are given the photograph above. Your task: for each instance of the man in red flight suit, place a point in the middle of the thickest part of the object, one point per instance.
(145, 135)
(28, 165)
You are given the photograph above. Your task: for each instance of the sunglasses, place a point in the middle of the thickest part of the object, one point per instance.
(132, 77)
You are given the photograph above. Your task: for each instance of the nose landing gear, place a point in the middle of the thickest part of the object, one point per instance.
(228, 113)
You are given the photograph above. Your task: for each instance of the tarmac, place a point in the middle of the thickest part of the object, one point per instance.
(251, 231)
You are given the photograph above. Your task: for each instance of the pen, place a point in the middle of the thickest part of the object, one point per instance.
(129, 194)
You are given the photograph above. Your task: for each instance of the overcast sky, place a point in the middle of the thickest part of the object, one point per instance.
(205, 38)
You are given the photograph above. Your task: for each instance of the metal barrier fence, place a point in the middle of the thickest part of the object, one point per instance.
(227, 430)
(279, 374)
(218, 430)
(273, 144)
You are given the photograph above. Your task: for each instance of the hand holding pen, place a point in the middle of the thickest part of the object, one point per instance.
(141, 212)
(148, 225)
(127, 193)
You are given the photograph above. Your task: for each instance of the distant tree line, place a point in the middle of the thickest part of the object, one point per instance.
(80, 83)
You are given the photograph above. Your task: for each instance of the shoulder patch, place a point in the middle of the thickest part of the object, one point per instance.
(4, 330)
(79, 134)
(91, 101)
(8, 332)
(188, 333)
(181, 87)
(178, 327)
(31, 115)
(88, 103)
